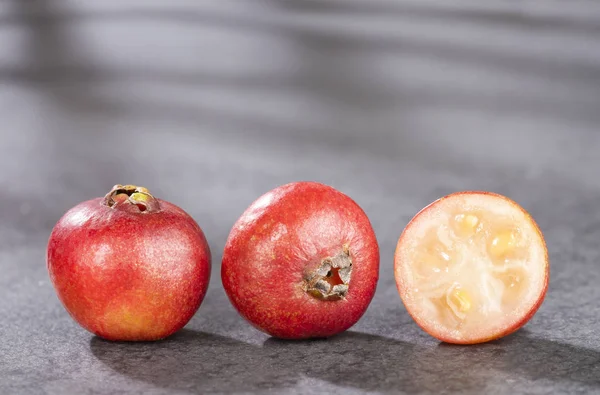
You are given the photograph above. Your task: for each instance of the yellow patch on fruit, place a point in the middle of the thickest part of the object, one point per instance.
(466, 224)
(141, 197)
(503, 243)
(128, 321)
(459, 300)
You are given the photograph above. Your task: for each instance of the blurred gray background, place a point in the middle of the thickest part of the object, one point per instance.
(209, 104)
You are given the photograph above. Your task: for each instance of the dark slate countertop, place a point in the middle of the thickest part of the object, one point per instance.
(210, 104)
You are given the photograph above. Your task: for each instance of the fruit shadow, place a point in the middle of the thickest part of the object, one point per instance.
(206, 362)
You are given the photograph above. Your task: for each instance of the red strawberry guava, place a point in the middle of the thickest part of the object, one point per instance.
(301, 262)
(129, 266)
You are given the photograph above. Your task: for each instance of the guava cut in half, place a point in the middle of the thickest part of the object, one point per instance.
(472, 267)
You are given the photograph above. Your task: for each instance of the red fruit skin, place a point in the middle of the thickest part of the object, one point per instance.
(126, 275)
(286, 234)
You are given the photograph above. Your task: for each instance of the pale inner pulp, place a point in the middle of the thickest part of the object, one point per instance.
(472, 266)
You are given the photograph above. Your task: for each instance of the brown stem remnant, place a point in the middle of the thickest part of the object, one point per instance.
(131, 194)
(330, 281)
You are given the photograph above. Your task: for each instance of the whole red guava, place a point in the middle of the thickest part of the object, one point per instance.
(129, 266)
(301, 262)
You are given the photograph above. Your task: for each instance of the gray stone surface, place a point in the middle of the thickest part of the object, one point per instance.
(211, 103)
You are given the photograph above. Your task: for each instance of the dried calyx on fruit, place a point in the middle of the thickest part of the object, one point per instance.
(330, 281)
(139, 197)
